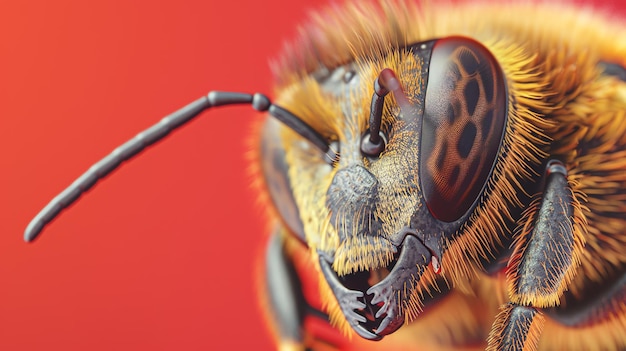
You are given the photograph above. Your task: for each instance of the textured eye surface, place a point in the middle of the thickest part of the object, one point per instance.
(464, 119)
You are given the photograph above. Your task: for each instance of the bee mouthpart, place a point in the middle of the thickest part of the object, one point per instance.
(370, 299)
(362, 281)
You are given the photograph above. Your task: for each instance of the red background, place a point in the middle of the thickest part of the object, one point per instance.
(160, 255)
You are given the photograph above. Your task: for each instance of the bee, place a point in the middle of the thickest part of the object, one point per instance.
(438, 176)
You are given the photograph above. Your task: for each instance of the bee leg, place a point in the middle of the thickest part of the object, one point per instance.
(286, 301)
(516, 328)
(542, 264)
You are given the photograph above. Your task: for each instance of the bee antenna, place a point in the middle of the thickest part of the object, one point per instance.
(157, 132)
(385, 82)
(376, 110)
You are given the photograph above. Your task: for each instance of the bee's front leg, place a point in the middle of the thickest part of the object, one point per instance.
(542, 265)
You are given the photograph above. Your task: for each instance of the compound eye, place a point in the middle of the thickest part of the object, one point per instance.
(465, 114)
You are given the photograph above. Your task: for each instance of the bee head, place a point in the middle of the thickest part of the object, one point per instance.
(417, 133)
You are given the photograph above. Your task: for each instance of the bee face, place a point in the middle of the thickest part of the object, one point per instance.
(379, 218)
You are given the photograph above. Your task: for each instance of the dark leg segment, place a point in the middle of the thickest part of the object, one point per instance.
(285, 297)
(516, 328)
(288, 306)
(542, 264)
(542, 261)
